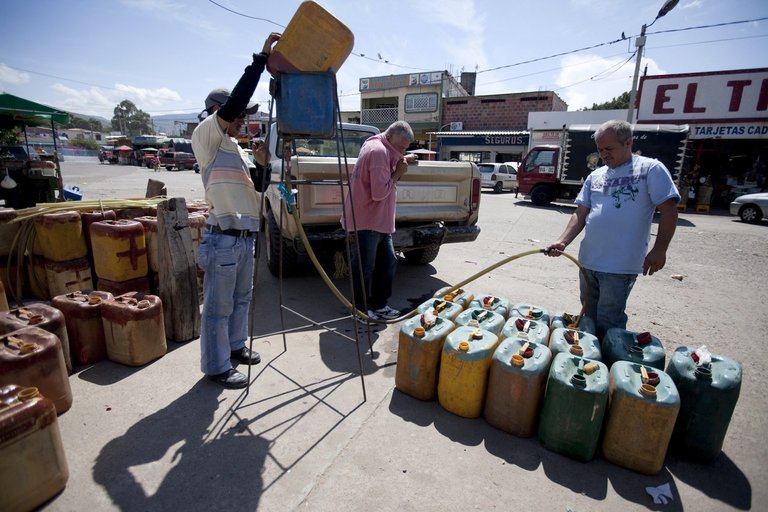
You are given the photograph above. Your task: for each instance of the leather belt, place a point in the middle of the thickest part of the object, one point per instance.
(239, 233)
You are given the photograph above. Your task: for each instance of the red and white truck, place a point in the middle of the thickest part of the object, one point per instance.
(559, 161)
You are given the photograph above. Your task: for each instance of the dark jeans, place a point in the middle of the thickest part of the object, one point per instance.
(379, 263)
(606, 298)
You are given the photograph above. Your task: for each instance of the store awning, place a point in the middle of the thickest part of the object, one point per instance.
(16, 111)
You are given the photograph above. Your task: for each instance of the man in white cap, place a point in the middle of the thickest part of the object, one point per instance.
(226, 252)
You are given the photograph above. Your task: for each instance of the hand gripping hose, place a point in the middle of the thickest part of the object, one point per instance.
(363, 316)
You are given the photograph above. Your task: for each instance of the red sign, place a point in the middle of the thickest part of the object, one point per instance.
(716, 97)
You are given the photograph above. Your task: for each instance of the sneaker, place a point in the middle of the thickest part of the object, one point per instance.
(385, 313)
(230, 379)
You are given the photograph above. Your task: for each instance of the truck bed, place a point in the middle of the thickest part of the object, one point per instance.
(428, 191)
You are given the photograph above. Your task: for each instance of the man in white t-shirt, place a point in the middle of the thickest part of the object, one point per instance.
(615, 207)
(226, 252)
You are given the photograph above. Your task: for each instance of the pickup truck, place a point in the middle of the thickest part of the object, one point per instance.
(437, 202)
(177, 159)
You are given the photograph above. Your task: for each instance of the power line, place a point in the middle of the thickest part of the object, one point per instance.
(246, 15)
(707, 26)
(607, 43)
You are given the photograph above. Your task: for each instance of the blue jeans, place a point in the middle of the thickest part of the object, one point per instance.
(228, 265)
(379, 264)
(605, 297)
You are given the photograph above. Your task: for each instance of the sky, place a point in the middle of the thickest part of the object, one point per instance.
(86, 56)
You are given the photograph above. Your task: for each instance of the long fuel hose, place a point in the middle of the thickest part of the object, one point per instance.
(365, 317)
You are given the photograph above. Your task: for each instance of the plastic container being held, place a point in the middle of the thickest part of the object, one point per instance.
(418, 356)
(516, 385)
(313, 41)
(483, 318)
(82, 313)
(563, 339)
(644, 405)
(536, 331)
(574, 406)
(33, 467)
(623, 345)
(134, 330)
(464, 364)
(42, 316)
(33, 357)
(708, 396)
(442, 308)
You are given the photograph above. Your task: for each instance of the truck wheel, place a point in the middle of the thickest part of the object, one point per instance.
(168, 167)
(541, 195)
(274, 240)
(421, 256)
(498, 188)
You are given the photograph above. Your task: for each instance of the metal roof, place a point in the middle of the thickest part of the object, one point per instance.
(481, 133)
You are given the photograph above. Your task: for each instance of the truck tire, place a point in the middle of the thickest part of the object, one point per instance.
(421, 256)
(541, 195)
(274, 240)
(168, 167)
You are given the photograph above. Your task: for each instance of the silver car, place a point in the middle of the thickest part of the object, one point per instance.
(751, 207)
(499, 177)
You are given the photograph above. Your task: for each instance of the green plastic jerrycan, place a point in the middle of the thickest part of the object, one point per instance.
(642, 348)
(483, 318)
(574, 406)
(516, 383)
(464, 365)
(536, 331)
(644, 404)
(708, 396)
(562, 340)
(529, 311)
(565, 320)
(492, 303)
(459, 296)
(443, 308)
(418, 356)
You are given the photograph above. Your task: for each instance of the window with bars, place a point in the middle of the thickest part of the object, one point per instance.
(426, 102)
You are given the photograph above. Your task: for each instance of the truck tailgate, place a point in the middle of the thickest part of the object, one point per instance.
(429, 191)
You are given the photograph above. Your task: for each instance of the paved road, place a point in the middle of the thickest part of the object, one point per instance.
(159, 436)
(111, 181)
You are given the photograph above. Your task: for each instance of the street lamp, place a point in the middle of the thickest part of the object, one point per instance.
(640, 43)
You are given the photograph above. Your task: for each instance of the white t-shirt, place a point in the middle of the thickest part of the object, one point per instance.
(621, 203)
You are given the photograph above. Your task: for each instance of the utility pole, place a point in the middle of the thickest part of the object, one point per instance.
(640, 44)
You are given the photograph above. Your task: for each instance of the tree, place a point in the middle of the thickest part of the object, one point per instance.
(9, 137)
(621, 102)
(91, 123)
(130, 120)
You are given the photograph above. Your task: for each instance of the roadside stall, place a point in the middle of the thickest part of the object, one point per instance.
(26, 178)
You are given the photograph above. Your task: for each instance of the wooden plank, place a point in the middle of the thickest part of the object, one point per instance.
(155, 188)
(177, 271)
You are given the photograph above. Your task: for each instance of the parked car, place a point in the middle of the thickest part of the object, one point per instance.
(751, 207)
(499, 177)
(178, 160)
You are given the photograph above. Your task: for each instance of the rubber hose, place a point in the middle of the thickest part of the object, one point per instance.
(364, 316)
